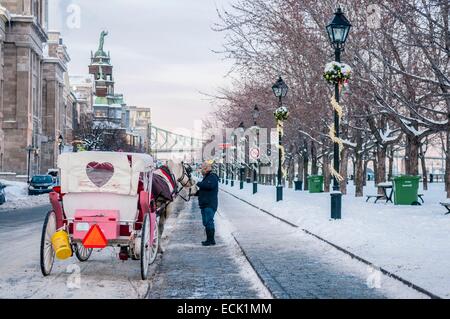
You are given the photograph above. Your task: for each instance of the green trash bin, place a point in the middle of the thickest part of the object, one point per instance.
(406, 190)
(315, 184)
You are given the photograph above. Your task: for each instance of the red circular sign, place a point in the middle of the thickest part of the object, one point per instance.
(254, 153)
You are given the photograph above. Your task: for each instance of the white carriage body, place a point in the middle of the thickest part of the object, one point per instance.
(120, 189)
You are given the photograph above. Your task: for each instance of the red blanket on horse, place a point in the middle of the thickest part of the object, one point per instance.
(163, 185)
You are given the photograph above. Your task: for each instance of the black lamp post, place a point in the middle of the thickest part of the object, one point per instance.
(338, 31)
(60, 143)
(255, 167)
(29, 150)
(241, 167)
(223, 158)
(280, 89)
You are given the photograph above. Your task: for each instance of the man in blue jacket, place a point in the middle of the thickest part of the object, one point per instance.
(208, 201)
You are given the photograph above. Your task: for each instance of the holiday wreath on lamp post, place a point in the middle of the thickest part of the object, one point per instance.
(337, 73)
(281, 113)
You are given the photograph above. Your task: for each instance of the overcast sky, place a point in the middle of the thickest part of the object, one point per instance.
(160, 49)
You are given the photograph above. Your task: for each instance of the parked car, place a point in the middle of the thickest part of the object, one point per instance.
(2, 194)
(40, 184)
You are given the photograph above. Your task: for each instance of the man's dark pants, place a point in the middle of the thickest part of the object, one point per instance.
(208, 218)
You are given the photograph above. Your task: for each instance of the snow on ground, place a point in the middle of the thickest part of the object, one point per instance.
(282, 253)
(410, 241)
(17, 196)
(103, 276)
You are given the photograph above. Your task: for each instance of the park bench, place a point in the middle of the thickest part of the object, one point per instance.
(447, 206)
(378, 197)
(421, 197)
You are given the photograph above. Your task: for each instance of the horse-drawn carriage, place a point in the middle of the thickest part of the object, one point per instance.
(105, 199)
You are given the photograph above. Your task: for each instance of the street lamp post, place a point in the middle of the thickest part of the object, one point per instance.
(280, 89)
(29, 150)
(241, 168)
(338, 31)
(255, 167)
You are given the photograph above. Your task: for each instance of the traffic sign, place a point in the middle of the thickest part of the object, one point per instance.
(255, 153)
(95, 238)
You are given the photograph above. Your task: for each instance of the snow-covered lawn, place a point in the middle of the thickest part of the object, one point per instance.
(410, 241)
(17, 196)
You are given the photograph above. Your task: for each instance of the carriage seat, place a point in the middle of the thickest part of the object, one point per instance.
(126, 205)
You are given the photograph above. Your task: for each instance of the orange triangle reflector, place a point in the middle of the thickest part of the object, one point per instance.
(95, 238)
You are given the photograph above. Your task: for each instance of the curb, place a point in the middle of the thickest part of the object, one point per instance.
(268, 281)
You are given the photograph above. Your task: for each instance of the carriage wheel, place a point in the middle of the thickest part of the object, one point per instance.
(145, 247)
(82, 252)
(154, 246)
(47, 252)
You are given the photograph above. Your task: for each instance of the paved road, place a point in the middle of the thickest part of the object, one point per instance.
(291, 264)
(295, 265)
(103, 276)
(23, 217)
(189, 270)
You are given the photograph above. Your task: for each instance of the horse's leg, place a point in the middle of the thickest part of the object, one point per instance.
(162, 220)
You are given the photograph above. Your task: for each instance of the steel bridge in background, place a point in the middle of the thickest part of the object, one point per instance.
(166, 142)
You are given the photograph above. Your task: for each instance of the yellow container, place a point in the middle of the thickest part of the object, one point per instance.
(61, 245)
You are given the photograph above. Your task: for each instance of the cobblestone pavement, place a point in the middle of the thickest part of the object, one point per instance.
(295, 265)
(189, 270)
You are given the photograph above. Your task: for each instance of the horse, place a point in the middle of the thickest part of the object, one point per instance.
(169, 181)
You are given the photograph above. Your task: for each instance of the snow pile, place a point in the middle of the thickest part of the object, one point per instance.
(17, 196)
(410, 241)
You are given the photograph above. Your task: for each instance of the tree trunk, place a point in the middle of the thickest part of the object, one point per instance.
(424, 169)
(354, 170)
(375, 169)
(291, 174)
(326, 173)
(391, 165)
(300, 168)
(314, 167)
(412, 156)
(343, 171)
(359, 175)
(447, 166)
(381, 168)
(305, 172)
(365, 173)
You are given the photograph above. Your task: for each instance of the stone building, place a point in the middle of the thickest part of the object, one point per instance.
(82, 86)
(4, 19)
(36, 104)
(57, 106)
(137, 120)
(22, 51)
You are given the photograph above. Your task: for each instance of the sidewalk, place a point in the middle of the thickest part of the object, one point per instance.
(409, 241)
(189, 270)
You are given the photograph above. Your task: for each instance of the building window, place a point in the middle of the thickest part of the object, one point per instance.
(101, 113)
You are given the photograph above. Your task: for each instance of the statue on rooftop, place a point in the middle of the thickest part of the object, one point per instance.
(102, 40)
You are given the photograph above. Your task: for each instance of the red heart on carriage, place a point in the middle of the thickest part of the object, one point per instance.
(99, 173)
